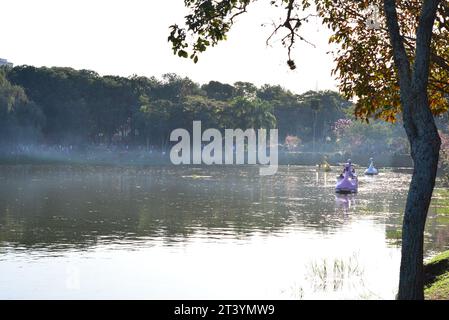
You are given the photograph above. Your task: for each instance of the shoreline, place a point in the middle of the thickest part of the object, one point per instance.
(158, 158)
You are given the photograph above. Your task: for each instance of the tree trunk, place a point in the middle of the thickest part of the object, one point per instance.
(425, 153)
(424, 140)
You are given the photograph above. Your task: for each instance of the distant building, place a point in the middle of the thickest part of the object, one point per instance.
(4, 62)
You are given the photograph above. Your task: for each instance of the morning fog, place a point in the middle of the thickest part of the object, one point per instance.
(210, 148)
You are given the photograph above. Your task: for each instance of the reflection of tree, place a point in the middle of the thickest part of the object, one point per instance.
(81, 207)
(437, 227)
(437, 230)
(60, 209)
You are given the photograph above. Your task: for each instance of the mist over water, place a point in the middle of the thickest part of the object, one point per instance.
(92, 207)
(83, 231)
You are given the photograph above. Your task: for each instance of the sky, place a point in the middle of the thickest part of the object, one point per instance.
(126, 37)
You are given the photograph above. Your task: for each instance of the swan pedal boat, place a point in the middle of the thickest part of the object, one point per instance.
(371, 171)
(347, 184)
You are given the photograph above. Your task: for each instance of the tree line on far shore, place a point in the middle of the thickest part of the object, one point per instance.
(64, 106)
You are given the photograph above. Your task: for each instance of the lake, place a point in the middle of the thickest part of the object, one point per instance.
(99, 232)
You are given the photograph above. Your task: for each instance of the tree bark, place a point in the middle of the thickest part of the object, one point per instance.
(425, 154)
(424, 140)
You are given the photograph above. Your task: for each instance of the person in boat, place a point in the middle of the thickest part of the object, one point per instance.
(350, 168)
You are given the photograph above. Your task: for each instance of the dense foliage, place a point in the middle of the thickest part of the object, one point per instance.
(363, 54)
(70, 107)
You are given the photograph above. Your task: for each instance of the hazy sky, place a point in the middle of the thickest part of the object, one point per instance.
(125, 37)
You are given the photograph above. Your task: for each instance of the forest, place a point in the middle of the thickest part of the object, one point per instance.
(80, 108)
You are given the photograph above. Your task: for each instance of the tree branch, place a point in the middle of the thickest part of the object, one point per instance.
(397, 41)
(423, 41)
(402, 63)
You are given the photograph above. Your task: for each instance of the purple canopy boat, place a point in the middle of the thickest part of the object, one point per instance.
(347, 182)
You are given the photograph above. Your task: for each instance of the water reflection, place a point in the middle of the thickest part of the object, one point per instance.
(346, 202)
(285, 236)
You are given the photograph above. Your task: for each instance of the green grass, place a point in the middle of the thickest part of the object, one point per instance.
(437, 277)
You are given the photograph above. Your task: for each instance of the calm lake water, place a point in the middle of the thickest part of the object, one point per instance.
(205, 233)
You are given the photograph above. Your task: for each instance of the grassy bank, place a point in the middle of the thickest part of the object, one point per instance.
(437, 277)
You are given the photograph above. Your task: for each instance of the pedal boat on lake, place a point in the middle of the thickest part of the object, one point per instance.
(371, 171)
(347, 183)
(324, 166)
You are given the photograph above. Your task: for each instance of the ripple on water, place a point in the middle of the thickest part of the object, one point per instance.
(276, 224)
